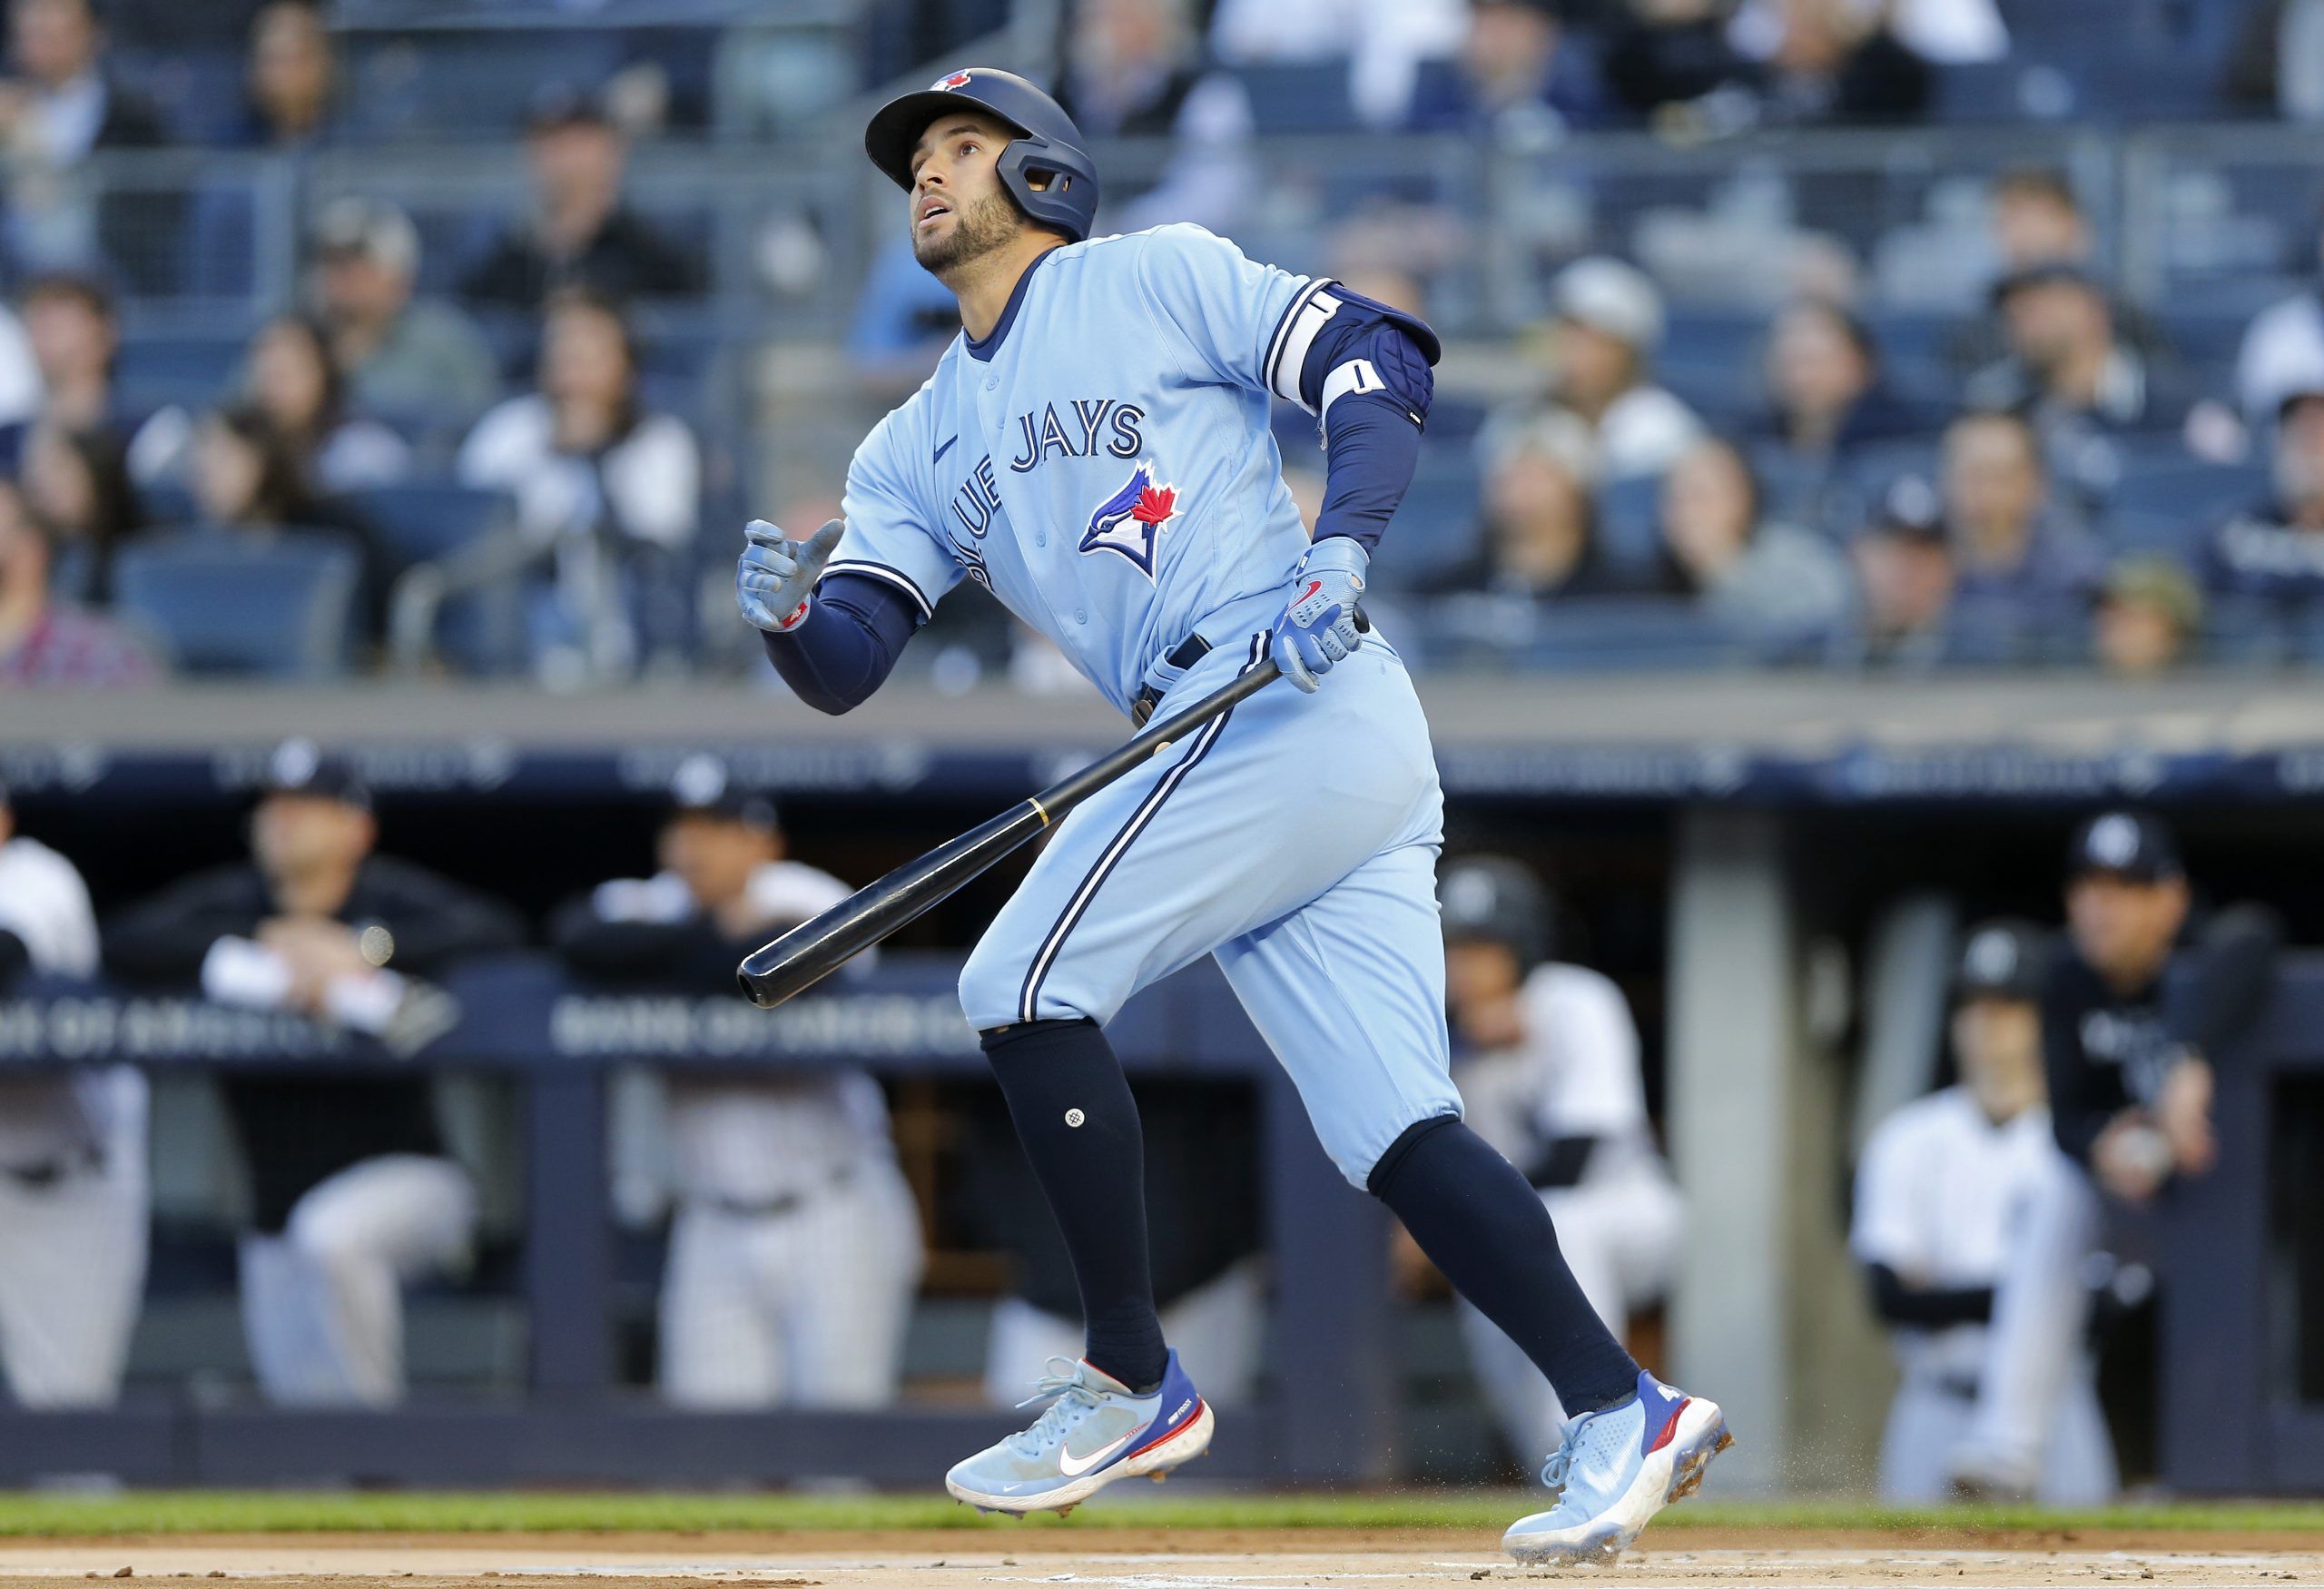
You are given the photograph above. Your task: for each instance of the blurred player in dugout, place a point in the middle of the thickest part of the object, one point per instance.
(2136, 1008)
(795, 1250)
(1941, 1193)
(1546, 1058)
(352, 1193)
(72, 1208)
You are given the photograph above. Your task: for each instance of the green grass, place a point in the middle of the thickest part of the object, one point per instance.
(290, 1511)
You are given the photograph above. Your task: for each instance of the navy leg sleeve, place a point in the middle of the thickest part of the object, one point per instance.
(1079, 1124)
(1483, 1226)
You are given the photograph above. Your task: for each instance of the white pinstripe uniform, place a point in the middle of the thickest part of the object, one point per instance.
(72, 1204)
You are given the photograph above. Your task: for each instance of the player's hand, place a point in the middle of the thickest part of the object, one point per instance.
(2183, 1112)
(778, 574)
(1317, 626)
(2130, 1157)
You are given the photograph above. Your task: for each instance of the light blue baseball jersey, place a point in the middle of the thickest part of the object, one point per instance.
(1102, 462)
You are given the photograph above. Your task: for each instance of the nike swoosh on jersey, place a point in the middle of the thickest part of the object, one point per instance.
(941, 451)
(1073, 1466)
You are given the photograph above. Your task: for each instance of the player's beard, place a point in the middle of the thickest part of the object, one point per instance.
(978, 229)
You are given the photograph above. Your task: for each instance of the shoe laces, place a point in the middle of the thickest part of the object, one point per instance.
(1560, 1461)
(1065, 1386)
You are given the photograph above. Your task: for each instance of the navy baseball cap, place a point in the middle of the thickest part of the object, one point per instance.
(702, 786)
(2129, 844)
(2001, 959)
(298, 767)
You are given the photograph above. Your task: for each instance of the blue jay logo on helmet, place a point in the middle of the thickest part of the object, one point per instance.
(958, 80)
(1131, 520)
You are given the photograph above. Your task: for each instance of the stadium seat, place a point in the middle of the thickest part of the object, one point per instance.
(1628, 535)
(2175, 486)
(1299, 96)
(220, 604)
(1436, 524)
(418, 523)
(192, 371)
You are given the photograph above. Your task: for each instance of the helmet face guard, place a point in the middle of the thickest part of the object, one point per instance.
(1043, 167)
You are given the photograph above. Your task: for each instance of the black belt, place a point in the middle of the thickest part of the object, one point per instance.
(786, 1203)
(41, 1176)
(1188, 651)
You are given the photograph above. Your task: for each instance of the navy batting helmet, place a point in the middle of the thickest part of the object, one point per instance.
(1044, 167)
(1496, 900)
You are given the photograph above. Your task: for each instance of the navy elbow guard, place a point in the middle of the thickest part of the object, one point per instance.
(1357, 347)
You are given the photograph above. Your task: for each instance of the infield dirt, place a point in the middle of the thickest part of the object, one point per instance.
(1133, 1557)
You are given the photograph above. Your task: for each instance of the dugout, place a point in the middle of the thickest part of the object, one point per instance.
(1728, 849)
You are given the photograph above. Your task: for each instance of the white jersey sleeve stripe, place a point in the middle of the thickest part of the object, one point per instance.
(881, 571)
(1287, 350)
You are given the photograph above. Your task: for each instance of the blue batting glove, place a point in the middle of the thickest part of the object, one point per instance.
(778, 574)
(1317, 626)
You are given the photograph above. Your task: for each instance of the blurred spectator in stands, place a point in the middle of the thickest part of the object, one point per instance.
(245, 474)
(1768, 580)
(352, 1195)
(1522, 72)
(795, 1249)
(2277, 60)
(1938, 1191)
(2148, 619)
(290, 85)
(2072, 375)
(579, 235)
(291, 379)
(1825, 397)
(1831, 61)
(75, 340)
(1606, 321)
(606, 493)
(403, 359)
(1134, 69)
(1671, 60)
(1540, 517)
(249, 480)
(72, 1208)
(903, 321)
(75, 484)
(2008, 539)
(2282, 350)
(1386, 44)
(20, 384)
(1949, 32)
(2038, 221)
(1905, 581)
(2034, 219)
(2275, 549)
(2136, 1012)
(48, 641)
(58, 108)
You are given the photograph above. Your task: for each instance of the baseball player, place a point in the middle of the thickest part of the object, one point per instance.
(2128, 1064)
(795, 1250)
(1940, 1195)
(1093, 450)
(72, 1210)
(351, 1192)
(1545, 1055)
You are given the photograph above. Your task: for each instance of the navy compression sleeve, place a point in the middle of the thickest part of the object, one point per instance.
(1367, 376)
(854, 630)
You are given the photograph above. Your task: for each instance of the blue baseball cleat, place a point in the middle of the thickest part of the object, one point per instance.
(1619, 1466)
(1092, 1434)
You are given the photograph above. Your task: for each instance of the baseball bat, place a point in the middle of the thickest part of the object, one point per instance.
(814, 949)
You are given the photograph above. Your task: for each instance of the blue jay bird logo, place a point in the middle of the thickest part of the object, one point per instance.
(1128, 522)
